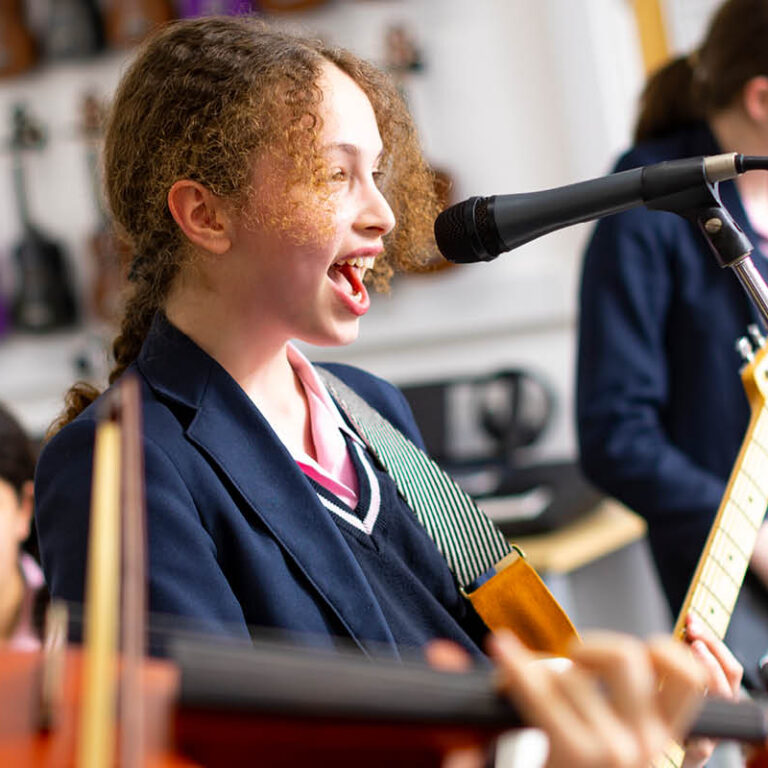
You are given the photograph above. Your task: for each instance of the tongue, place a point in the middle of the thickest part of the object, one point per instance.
(352, 277)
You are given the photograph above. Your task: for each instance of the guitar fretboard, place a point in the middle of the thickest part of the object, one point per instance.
(723, 564)
(722, 567)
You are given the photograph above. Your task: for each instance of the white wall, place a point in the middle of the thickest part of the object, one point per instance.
(515, 96)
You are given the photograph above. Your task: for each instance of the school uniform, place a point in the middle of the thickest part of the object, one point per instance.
(661, 406)
(239, 537)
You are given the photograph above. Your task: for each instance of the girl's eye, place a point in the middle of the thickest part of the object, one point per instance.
(378, 178)
(338, 174)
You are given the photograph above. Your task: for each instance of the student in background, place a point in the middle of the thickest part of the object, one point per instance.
(661, 407)
(21, 580)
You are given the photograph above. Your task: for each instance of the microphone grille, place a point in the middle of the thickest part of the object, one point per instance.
(455, 233)
(486, 228)
(451, 234)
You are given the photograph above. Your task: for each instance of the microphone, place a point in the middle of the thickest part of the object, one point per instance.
(481, 228)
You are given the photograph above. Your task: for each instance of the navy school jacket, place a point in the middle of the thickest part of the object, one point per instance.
(237, 536)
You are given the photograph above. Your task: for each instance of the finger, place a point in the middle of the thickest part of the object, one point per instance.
(624, 666)
(717, 682)
(620, 739)
(629, 678)
(695, 629)
(682, 682)
(698, 751)
(530, 686)
(569, 705)
(469, 757)
(448, 656)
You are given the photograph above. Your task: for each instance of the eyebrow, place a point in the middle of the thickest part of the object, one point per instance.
(351, 149)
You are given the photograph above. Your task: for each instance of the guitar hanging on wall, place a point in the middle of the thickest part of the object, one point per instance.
(44, 299)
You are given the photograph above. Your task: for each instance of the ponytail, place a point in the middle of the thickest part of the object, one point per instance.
(668, 101)
(693, 88)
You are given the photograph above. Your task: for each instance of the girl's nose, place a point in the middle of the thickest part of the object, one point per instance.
(376, 213)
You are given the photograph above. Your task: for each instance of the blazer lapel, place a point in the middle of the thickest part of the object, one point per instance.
(231, 431)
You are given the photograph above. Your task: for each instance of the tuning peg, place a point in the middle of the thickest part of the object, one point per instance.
(745, 349)
(757, 335)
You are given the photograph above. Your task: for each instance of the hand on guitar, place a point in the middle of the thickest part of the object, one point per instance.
(724, 675)
(758, 563)
(618, 704)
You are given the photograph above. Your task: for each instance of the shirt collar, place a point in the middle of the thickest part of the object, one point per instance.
(309, 378)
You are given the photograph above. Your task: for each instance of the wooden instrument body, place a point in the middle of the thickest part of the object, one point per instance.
(181, 737)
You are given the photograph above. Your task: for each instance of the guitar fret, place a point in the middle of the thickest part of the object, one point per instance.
(710, 610)
(738, 527)
(730, 556)
(718, 581)
(755, 462)
(747, 493)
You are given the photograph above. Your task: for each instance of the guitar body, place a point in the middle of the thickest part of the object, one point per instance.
(18, 49)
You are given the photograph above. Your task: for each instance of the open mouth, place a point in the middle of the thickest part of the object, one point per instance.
(348, 274)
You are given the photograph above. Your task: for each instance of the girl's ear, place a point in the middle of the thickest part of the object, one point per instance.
(201, 216)
(755, 96)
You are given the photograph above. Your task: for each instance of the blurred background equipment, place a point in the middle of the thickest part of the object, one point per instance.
(44, 298)
(18, 49)
(73, 30)
(481, 430)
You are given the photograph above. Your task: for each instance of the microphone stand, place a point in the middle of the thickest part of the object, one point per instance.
(702, 206)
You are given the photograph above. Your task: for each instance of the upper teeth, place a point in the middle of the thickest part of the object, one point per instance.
(360, 261)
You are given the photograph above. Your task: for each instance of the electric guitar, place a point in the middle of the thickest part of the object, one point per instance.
(723, 564)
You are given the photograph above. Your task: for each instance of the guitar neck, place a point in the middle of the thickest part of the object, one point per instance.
(723, 564)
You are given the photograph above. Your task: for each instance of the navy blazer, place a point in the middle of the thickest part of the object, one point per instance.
(232, 520)
(661, 407)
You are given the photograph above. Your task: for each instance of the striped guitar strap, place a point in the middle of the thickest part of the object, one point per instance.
(496, 578)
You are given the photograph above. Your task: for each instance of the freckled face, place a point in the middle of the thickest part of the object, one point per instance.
(310, 287)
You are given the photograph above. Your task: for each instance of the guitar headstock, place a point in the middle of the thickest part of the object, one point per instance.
(754, 373)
